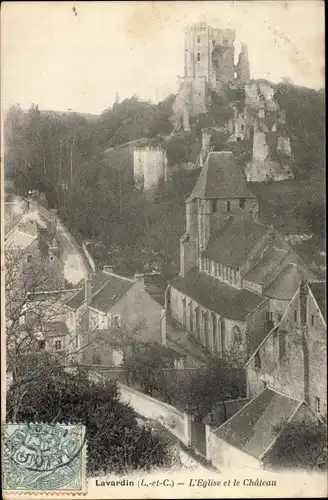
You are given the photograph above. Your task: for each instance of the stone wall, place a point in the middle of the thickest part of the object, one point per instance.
(151, 408)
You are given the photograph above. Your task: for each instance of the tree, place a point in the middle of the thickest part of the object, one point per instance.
(116, 443)
(216, 381)
(152, 368)
(300, 445)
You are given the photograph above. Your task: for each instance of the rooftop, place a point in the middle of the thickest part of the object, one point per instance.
(221, 177)
(106, 288)
(233, 241)
(319, 290)
(287, 282)
(254, 428)
(270, 259)
(55, 329)
(216, 296)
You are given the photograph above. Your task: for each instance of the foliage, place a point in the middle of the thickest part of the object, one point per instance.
(115, 441)
(151, 367)
(217, 380)
(300, 445)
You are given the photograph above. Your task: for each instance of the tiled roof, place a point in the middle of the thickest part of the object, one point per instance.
(216, 296)
(107, 289)
(254, 428)
(221, 177)
(319, 290)
(20, 240)
(287, 282)
(231, 244)
(270, 259)
(98, 280)
(55, 329)
(111, 293)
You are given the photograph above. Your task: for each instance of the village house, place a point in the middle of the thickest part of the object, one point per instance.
(236, 275)
(31, 244)
(116, 310)
(286, 384)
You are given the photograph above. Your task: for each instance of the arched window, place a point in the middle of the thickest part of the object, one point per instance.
(237, 338)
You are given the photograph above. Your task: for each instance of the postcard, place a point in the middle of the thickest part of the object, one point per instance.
(163, 283)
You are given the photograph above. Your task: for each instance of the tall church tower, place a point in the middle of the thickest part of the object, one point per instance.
(220, 191)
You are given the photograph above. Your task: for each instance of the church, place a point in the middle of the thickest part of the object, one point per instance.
(237, 275)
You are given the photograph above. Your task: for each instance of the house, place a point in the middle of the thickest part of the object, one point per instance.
(292, 357)
(251, 436)
(109, 306)
(236, 275)
(31, 244)
(286, 384)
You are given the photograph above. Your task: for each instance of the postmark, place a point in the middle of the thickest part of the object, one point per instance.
(42, 457)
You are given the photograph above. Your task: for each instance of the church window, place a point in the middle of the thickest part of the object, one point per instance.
(198, 56)
(228, 206)
(214, 206)
(312, 320)
(242, 203)
(198, 39)
(295, 315)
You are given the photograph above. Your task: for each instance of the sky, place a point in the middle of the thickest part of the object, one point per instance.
(65, 55)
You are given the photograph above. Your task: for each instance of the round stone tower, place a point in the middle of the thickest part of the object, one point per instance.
(149, 167)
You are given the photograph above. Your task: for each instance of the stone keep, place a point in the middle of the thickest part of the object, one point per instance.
(149, 167)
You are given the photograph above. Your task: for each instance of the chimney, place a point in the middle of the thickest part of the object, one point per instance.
(107, 269)
(140, 278)
(303, 303)
(88, 290)
(163, 327)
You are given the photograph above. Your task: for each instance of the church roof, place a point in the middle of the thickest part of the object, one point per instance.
(287, 282)
(233, 241)
(221, 177)
(319, 291)
(216, 296)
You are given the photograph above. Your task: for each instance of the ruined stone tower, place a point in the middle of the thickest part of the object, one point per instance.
(149, 167)
(208, 65)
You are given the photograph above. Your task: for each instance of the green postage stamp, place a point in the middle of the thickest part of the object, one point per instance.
(44, 457)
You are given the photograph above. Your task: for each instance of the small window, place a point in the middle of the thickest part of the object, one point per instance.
(237, 338)
(29, 258)
(269, 316)
(279, 317)
(77, 342)
(58, 345)
(295, 315)
(198, 56)
(312, 320)
(214, 205)
(116, 321)
(317, 406)
(242, 203)
(51, 258)
(42, 344)
(228, 206)
(198, 39)
(96, 360)
(257, 361)
(242, 128)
